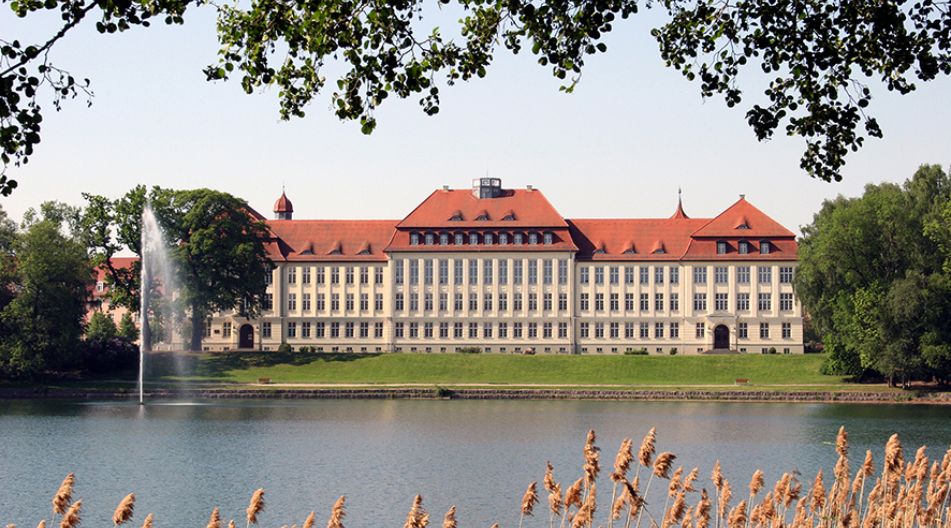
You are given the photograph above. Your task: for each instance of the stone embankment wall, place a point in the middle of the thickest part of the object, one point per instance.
(738, 395)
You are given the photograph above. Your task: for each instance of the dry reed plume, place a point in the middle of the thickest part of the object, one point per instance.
(256, 506)
(914, 493)
(123, 513)
(148, 521)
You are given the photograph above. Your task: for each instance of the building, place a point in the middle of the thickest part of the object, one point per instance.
(501, 270)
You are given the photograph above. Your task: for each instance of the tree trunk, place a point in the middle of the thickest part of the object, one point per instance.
(198, 328)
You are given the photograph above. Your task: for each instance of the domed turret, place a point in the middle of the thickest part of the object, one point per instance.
(283, 208)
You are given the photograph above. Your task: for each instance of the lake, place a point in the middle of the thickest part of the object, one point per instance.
(182, 459)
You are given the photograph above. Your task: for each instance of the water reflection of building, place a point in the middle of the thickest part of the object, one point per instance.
(501, 270)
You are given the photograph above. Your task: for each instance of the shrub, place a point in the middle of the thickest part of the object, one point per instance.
(104, 356)
(101, 327)
(285, 348)
(772, 350)
(127, 329)
(636, 352)
(469, 350)
(673, 351)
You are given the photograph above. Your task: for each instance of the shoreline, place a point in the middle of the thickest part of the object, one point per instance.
(499, 393)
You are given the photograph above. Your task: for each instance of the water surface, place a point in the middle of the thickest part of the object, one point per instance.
(183, 459)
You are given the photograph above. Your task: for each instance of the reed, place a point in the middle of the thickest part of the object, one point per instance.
(255, 507)
(913, 493)
(147, 523)
(123, 513)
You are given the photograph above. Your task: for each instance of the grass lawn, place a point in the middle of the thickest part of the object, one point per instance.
(489, 369)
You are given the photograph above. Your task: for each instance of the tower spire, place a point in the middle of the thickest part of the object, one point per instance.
(679, 213)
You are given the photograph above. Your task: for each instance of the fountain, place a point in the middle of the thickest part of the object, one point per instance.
(157, 288)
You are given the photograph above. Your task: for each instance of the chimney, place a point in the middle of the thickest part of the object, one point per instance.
(445, 187)
(529, 187)
(742, 197)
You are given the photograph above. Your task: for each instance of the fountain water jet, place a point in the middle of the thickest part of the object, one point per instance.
(157, 283)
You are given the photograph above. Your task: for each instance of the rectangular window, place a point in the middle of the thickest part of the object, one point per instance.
(428, 330)
(517, 271)
(473, 301)
(644, 273)
(378, 302)
(457, 330)
(787, 330)
(742, 331)
(266, 330)
(334, 275)
(350, 303)
(785, 275)
(428, 302)
(721, 248)
(518, 302)
(546, 302)
(413, 303)
(378, 275)
(614, 330)
(305, 302)
(487, 330)
(701, 330)
(319, 330)
(658, 274)
(629, 302)
(473, 271)
(615, 302)
(487, 302)
(562, 271)
(292, 275)
(599, 302)
(457, 302)
(583, 330)
(628, 275)
(765, 302)
(398, 330)
(583, 302)
(743, 274)
(397, 272)
(320, 274)
(517, 330)
(765, 274)
(562, 301)
(674, 302)
(628, 330)
(503, 330)
(674, 330)
(700, 274)
(615, 275)
(364, 302)
(503, 301)
(743, 248)
(443, 302)
(428, 271)
(444, 330)
(700, 302)
(457, 271)
(785, 302)
(674, 275)
(562, 330)
(659, 330)
(503, 271)
(645, 302)
(547, 271)
(414, 330)
(720, 274)
(533, 272)
(583, 275)
(721, 302)
(533, 302)
(398, 301)
(764, 247)
(334, 330)
(364, 275)
(321, 303)
(349, 275)
(268, 303)
(305, 275)
(291, 329)
(488, 271)
(645, 331)
(742, 302)
(443, 271)
(599, 330)
(364, 330)
(414, 272)
(764, 330)
(291, 302)
(532, 330)
(335, 302)
(659, 302)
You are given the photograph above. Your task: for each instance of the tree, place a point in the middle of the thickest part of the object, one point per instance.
(216, 241)
(816, 56)
(101, 327)
(127, 329)
(871, 277)
(42, 325)
(8, 232)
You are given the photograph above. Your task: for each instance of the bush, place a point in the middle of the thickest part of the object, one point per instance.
(127, 329)
(673, 351)
(636, 351)
(101, 327)
(772, 350)
(469, 350)
(307, 349)
(105, 356)
(284, 348)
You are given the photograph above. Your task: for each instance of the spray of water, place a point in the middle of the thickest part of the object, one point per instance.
(158, 291)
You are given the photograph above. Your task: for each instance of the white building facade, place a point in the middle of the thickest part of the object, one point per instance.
(500, 271)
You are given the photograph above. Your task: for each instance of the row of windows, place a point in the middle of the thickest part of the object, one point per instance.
(484, 238)
(349, 300)
(332, 330)
(743, 247)
(672, 273)
(350, 274)
(489, 302)
(721, 302)
(492, 271)
(460, 330)
(656, 331)
(614, 302)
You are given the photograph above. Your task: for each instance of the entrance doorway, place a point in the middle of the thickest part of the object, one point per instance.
(721, 337)
(246, 336)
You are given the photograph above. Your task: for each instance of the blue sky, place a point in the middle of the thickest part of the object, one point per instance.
(620, 146)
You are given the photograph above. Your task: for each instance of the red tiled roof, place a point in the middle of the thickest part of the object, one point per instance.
(329, 240)
(706, 249)
(561, 241)
(727, 224)
(529, 208)
(283, 204)
(647, 235)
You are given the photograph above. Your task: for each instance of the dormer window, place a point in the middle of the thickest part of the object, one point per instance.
(483, 216)
(487, 238)
(630, 250)
(599, 250)
(443, 239)
(660, 251)
(414, 239)
(456, 216)
(743, 226)
(533, 238)
(509, 216)
(764, 247)
(548, 239)
(503, 238)
(459, 239)
(100, 286)
(743, 248)
(474, 238)
(430, 239)
(518, 239)
(364, 251)
(721, 247)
